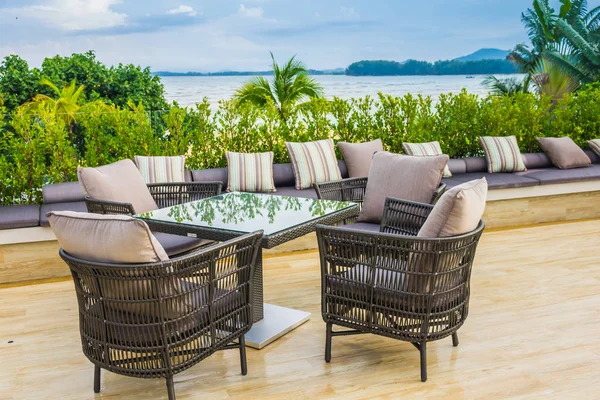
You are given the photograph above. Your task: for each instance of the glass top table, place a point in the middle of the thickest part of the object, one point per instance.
(281, 218)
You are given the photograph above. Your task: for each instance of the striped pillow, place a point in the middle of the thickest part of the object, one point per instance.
(502, 154)
(250, 172)
(161, 169)
(595, 146)
(313, 162)
(426, 150)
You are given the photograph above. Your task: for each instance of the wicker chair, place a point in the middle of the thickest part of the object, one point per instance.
(395, 284)
(353, 189)
(164, 194)
(156, 320)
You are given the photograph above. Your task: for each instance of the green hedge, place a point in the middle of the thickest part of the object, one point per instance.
(38, 149)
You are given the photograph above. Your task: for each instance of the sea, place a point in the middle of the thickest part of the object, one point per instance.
(188, 90)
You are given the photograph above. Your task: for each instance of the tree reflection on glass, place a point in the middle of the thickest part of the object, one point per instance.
(235, 208)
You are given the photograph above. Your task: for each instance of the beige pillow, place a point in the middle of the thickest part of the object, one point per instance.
(564, 152)
(106, 238)
(458, 211)
(358, 156)
(161, 169)
(313, 162)
(403, 177)
(120, 182)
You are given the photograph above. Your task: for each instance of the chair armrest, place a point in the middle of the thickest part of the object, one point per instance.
(403, 217)
(350, 189)
(171, 194)
(438, 192)
(108, 207)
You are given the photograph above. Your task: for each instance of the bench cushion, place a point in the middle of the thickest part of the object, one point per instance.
(293, 192)
(62, 192)
(502, 180)
(536, 161)
(19, 216)
(78, 206)
(550, 176)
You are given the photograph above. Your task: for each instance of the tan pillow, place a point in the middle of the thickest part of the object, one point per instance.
(120, 182)
(564, 152)
(403, 177)
(313, 162)
(458, 211)
(358, 156)
(106, 238)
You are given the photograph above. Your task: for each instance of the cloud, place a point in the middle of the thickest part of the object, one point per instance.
(251, 12)
(73, 15)
(337, 26)
(183, 10)
(349, 12)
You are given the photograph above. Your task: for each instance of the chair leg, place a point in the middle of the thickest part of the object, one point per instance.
(243, 361)
(170, 388)
(328, 336)
(455, 339)
(97, 379)
(423, 351)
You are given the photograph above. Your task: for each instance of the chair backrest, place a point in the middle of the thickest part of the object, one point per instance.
(195, 301)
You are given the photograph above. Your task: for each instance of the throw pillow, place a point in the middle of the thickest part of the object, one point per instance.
(426, 150)
(458, 211)
(595, 146)
(358, 156)
(502, 154)
(161, 169)
(564, 152)
(120, 182)
(250, 172)
(404, 177)
(313, 162)
(105, 238)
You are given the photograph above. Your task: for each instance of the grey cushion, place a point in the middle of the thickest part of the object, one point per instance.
(177, 244)
(593, 156)
(19, 216)
(62, 192)
(501, 180)
(358, 156)
(293, 192)
(188, 175)
(457, 166)
(283, 175)
(210, 175)
(78, 206)
(554, 175)
(536, 160)
(362, 226)
(476, 164)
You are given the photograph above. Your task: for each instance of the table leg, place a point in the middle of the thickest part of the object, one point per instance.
(257, 289)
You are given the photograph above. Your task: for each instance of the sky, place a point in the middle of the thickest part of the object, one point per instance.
(219, 35)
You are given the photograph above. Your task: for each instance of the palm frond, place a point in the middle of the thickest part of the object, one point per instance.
(566, 65)
(579, 42)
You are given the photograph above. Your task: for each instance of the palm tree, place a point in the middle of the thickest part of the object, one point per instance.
(507, 86)
(65, 105)
(291, 85)
(553, 81)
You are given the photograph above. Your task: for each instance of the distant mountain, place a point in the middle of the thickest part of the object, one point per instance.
(484, 54)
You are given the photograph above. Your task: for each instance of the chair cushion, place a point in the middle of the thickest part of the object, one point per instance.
(293, 192)
(426, 150)
(362, 226)
(457, 166)
(62, 192)
(402, 177)
(161, 169)
(502, 154)
(358, 156)
(564, 152)
(106, 238)
(250, 172)
(176, 244)
(120, 182)
(77, 206)
(458, 211)
(475, 164)
(313, 162)
(19, 216)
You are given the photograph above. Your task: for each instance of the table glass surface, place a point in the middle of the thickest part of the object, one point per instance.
(248, 212)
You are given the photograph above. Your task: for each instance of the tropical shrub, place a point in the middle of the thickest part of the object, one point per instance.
(38, 148)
